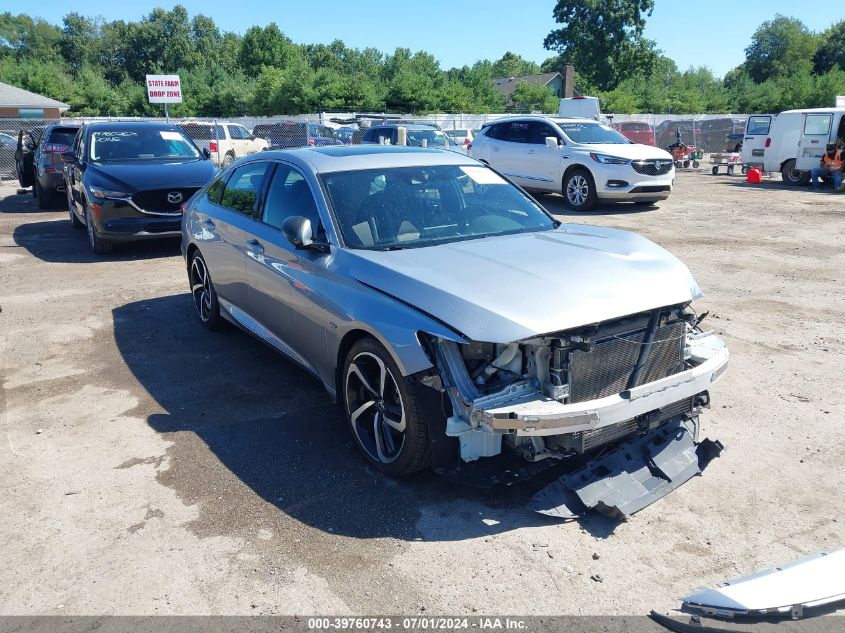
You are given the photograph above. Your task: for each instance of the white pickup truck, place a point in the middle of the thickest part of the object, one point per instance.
(227, 143)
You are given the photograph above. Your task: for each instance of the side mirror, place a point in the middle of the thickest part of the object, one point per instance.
(68, 157)
(206, 153)
(551, 142)
(297, 230)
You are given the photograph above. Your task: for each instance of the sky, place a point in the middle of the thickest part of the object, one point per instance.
(458, 32)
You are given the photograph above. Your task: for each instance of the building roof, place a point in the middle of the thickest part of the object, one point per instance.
(506, 85)
(12, 96)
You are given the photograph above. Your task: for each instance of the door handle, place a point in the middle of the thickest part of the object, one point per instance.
(495, 149)
(530, 151)
(209, 224)
(255, 246)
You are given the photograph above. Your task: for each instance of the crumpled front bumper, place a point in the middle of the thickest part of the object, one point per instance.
(536, 414)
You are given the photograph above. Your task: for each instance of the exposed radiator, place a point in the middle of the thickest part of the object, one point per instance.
(605, 369)
(584, 441)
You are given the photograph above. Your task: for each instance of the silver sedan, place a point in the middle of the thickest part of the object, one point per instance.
(453, 318)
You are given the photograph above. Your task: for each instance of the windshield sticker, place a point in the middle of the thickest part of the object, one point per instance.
(483, 176)
(170, 136)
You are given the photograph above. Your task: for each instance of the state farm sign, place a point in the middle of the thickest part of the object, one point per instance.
(164, 89)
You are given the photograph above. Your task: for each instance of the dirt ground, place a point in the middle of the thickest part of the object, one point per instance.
(151, 467)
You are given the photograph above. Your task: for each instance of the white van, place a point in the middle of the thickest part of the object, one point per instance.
(795, 141)
(580, 108)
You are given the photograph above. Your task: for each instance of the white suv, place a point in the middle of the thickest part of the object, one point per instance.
(584, 160)
(227, 143)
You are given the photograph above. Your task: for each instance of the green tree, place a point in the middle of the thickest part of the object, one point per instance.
(23, 36)
(782, 46)
(266, 46)
(513, 65)
(529, 97)
(80, 41)
(603, 38)
(832, 50)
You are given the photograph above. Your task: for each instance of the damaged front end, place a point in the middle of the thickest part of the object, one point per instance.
(637, 383)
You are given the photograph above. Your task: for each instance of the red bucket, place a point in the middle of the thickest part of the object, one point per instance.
(754, 176)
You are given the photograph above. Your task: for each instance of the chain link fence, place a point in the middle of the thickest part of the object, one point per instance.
(230, 139)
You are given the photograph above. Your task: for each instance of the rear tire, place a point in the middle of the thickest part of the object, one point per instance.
(203, 293)
(793, 177)
(45, 199)
(97, 244)
(384, 411)
(579, 190)
(228, 159)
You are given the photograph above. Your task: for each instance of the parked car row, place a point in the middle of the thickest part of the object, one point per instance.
(708, 135)
(403, 277)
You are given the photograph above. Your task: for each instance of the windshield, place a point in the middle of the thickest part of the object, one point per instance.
(591, 133)
(202, 132)
(432, 138)
(138, 144)
(411, 207)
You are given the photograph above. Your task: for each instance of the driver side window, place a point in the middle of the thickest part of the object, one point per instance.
(289, 194)
(539, 132)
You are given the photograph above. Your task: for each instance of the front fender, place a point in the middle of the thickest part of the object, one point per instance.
(394, 324)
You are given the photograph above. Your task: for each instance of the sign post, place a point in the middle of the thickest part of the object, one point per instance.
(164, 89)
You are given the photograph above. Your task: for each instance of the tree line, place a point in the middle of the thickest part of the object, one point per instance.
(98, 67)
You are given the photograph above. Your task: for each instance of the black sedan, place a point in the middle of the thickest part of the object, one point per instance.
(128, 181)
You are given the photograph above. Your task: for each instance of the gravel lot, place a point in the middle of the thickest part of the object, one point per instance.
(151, 467)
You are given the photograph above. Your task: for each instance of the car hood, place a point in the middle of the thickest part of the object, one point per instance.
(507, 288)
(634, 151)
(140, 175)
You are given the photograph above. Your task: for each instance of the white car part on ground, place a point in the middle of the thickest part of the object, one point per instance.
(812, 581)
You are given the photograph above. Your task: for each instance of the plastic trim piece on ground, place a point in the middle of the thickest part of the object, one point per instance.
(787, 589)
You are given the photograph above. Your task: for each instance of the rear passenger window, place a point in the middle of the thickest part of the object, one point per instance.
(215, 191)
(243, 187)
(520, 132)
(498, 131)
(289, 195)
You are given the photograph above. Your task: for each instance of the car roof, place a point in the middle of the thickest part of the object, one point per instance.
(210, 123)
(410, 126)
(334, 158)
(538, 117)
(131, 125)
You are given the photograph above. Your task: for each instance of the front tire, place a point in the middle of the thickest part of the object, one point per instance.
(98, 245)
(792, 176)
(383, 411)
(579, 190)
(203, 293)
